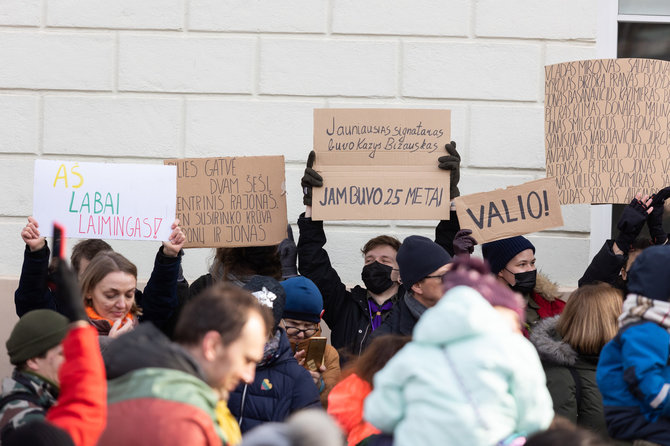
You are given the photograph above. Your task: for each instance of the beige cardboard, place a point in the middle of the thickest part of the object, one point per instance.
(372, 137)
(231, 202)
(509, 212)
(388, 153)
(380, 195)
(606, 128)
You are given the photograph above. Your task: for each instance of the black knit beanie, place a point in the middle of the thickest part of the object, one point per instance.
(418, 257)
(500, 252)
(269, 293)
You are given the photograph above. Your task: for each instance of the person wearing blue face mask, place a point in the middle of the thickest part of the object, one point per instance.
(512, 260)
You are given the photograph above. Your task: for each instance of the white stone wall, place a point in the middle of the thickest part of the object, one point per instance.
(139, 81)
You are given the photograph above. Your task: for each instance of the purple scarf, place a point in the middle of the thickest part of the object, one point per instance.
(376, 312)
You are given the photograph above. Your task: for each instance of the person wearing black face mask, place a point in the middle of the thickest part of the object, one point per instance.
(513, 261)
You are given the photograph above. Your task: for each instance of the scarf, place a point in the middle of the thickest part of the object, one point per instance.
(637, 308)
(228, 424)
(270, 349)
(96, 319)
(415, 307)
(377, 310)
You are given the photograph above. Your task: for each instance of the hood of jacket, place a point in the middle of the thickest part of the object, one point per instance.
(146, 346)
(546, 288)
(461, 313)
(550, 346)
(282, 353)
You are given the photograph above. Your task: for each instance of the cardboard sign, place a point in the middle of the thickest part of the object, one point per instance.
(352, 195)
(106, 201)
(606, 128)
(374, 137)
(231, 202)
(509, 212)
(381, 164)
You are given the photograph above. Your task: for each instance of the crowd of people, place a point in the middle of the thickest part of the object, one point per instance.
(437, 347)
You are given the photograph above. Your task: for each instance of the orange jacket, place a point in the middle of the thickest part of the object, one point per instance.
(345, 405)
(81, 409)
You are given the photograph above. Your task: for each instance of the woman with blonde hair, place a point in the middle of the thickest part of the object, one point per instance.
(569, 346)
(108, 288)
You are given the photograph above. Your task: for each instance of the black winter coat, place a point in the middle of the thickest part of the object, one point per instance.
(346, 312)
(605, 267)
(280, 387)
(159, 301)
(571, 378)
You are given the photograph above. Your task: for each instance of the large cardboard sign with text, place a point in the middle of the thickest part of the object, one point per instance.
(231, 202)
(509, 212)
(105, 201)
(381, 164)
(606, 128)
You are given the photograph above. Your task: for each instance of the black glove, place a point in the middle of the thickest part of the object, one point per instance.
(310, 179)
(655, 219)
(288, 255)
(452, 162)
(630, 224)
(68, 294)
(464, 242)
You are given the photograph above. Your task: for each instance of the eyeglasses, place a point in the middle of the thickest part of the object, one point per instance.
(295, 331)
(435, 276)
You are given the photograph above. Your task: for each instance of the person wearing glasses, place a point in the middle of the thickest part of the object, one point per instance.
(422, 263)
(301, 320)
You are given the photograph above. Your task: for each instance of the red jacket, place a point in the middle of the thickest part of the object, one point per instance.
(345, 405)
(81, 409)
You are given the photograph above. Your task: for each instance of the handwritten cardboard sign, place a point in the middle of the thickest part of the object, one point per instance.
(381, 164)
(606, 128)
(231, 202)
(107, 201)
(509, 212)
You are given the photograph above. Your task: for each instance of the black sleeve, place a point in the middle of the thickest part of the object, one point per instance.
(32, 292)
(604, 267)
(446, 230)
(314, 263)
(159, 301)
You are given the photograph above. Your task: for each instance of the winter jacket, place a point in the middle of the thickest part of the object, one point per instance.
(81, 410)
(634, 377)
(331, 359)
(281, 386)
(571, 378)
(401, 321)
(158, 302)
(605, 267)
(345, 405)
(25, 397)
(347, 313)
(466, 378)
(157, 394)
(542, 303)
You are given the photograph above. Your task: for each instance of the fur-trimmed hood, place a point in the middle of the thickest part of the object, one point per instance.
(549, 345)
(546, 288)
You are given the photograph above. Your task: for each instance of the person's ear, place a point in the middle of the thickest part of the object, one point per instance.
(624, 273)
(209, 344)
(416, 288)
(32, 364)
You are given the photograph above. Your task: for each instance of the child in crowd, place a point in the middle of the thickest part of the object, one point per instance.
(633, 372)
(467, 377)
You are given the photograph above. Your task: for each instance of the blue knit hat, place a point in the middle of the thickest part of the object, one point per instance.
(303, 300)
(500, 252)
(648, 275)
(418, 257)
